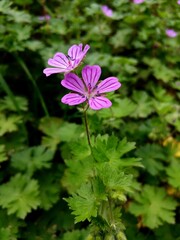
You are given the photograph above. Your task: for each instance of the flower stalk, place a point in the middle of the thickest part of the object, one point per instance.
(87, 128)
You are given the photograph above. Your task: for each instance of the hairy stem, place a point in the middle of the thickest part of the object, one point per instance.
(111, 218)
(87, 128)
(110, 211)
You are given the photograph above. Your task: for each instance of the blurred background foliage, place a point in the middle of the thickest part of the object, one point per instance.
(36, 129)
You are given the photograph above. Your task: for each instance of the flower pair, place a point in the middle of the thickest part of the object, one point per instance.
(86, 89)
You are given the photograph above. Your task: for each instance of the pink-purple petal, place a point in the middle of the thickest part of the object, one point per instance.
(171, 33)
(138, 1)
(73, 82)
(49, 71)
(83, 53)
(75, 63)
(108, 85)
(59, 60)
(74, 52)
(73, 99)
(86, 48)
(107, 11)
(91, 75)
(97, 103)
(80, 46)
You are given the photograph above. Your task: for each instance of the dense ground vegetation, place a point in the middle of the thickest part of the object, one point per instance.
(53, 186)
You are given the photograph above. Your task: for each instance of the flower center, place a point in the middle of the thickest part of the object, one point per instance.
(89, 88)
(91, 92)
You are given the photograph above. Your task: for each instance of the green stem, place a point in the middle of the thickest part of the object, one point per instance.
(111, 217)
(88, 135)
(110, 211)
(26, 70)
(87, 128)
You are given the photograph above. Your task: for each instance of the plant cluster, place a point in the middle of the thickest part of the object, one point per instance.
(91, 163)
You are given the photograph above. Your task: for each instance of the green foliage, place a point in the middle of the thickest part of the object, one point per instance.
(9, 124)
(152, 158)
(9, 226)
(32, 159)
(173, 174)
(76, 234)
(49, 189)
(168, 232)
(44, 154)
(57, 131)
(85, 202)
(160, 71)
(105, 149)
(144, 104)
(3, 156)
(84, 168)
(120, 108)
(105, 176)
(5, 6)
(20, 195)
(116, 181)
(7, 104)
(154, 206)
(111, 148)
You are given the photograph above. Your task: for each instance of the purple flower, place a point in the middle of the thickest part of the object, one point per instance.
(66, 63)
(138, 1)
(171, 33)
(87, 90)
(44, 18)
(178, 2)
(107, 11)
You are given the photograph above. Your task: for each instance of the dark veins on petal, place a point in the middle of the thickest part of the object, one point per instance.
(74, 85)
(65, 63)
(98, 103)
(108, 84)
